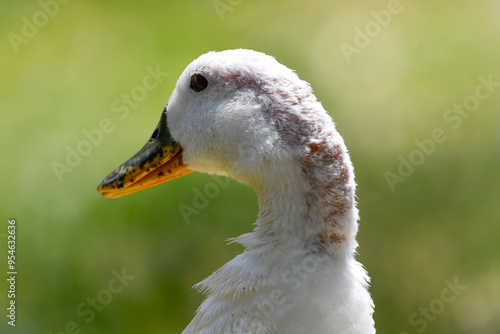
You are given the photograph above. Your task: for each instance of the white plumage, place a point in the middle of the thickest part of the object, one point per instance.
(241, 114)
(258, 123)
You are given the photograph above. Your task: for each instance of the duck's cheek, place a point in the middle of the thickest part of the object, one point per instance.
(205, 162)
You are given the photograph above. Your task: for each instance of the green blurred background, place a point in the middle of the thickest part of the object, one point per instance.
(442, 224)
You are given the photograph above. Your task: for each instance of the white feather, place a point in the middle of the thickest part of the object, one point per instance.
(258, 123)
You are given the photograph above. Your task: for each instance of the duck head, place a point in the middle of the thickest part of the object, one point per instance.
(240, 113)
(220, 119)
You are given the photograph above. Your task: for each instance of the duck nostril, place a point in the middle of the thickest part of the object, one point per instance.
(155, 134)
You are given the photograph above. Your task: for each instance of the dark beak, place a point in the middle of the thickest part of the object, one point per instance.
(160, 160)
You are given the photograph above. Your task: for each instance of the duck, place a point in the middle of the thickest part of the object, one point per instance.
(242, 114)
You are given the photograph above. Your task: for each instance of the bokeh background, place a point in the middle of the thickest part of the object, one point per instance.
(440, 226)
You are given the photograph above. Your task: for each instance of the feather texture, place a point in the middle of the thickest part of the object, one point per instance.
(258, 123)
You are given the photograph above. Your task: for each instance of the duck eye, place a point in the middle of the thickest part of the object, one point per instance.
(198, 82)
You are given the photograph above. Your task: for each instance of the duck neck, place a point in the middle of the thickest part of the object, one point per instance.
(283, 211)
(298, 207)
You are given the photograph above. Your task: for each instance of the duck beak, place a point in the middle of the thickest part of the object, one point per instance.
(160, 160)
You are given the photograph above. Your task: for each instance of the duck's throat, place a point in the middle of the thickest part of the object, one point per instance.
(313, 205)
